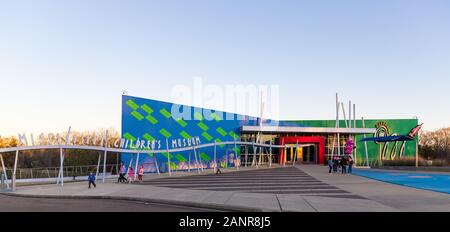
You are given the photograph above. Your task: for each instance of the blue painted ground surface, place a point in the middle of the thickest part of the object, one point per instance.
(428, 181)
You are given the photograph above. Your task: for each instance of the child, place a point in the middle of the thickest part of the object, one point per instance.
(130, 175)
(141, 173)
(91, 180)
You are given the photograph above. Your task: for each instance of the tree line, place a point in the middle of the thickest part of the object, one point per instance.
(51, 157)
(435, 145)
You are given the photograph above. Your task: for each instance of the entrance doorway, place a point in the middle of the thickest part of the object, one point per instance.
(303, 153)
(310, 154)
(311, 149)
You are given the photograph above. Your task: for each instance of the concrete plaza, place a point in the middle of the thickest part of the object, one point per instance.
(303, 188)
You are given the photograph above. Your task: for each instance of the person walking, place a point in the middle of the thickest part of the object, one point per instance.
(335, 164)
(218, 169)
(122, 173)
(344, 164)
(91, 179)
(141, 173)
(330, 165)
(130, 175)
(350, 165)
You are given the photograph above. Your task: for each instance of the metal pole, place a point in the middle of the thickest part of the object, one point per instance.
(2, 182)
(246, 155)
(236, 155)
(59, 171)
(4, 170)
(254, 156)
(349, 114)
(156, 164)
(270, 160)
(345, 115)
(199, 159)
(339, 145)
(337, 111)
(117, 163)
(332, 147)
(417, 152)
(261, 152)
(257, 157)
(365, 144)
(189, 164)
(104, 157)
(215, 157)
(62, 165)
(196, 159)
(337, 126)
(296, 153)
(137, 164)
(168, 157)
(130, 165)
(354, 136)
(98, 163)
(226, 156)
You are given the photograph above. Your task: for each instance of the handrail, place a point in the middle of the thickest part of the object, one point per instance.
(119, 150)
(135, 151)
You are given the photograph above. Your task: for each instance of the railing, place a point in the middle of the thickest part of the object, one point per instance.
(52, 172)
(59, 172)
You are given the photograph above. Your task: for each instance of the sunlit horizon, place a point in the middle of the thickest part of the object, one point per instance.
(65, 63)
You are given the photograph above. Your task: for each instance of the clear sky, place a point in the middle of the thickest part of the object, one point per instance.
(65, 63)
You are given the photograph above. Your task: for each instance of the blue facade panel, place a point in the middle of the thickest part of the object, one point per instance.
(178, 126)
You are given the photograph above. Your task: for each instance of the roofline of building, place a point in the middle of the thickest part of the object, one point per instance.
(317, 130)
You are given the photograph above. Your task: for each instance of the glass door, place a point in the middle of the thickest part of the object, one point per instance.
(310, 154)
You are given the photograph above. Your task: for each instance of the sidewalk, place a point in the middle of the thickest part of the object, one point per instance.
(229, 201)
(399, 197)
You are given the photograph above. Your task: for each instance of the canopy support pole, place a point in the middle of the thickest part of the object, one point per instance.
(4, 170)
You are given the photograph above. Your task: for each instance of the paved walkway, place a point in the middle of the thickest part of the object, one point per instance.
(354, 193)
(288, 180)
(30, 204)
(399, 197)
(429, 181)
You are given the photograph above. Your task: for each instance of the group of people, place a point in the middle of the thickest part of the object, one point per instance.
(343, 164)
(122, 175)
(131, 177)
(340, 164)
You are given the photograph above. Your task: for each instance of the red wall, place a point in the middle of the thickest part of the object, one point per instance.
(305, 139)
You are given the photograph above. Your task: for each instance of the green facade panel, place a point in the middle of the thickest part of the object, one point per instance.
(375, 151)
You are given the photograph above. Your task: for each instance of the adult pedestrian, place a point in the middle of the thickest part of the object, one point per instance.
(350, 165)
(344, 164)
(122, 173)
(218, 169)
(330, 165)
(335, 164)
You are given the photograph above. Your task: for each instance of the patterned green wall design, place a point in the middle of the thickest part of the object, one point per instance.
(397, 126)
(153, 121)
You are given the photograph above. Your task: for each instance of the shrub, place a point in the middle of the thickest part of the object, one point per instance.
(412, 162)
